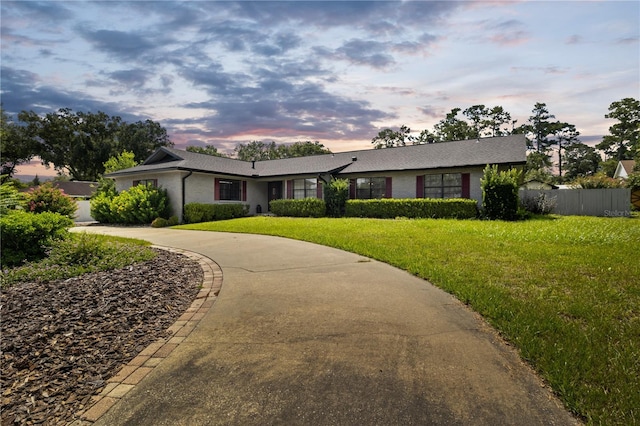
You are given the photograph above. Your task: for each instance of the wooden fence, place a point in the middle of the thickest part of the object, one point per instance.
(585, 202)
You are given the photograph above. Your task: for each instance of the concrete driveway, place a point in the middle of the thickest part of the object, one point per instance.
(303, 334)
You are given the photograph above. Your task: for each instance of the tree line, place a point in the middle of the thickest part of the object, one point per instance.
(80, 143)
(544, 135)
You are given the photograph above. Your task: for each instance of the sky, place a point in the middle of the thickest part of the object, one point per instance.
(337, 72)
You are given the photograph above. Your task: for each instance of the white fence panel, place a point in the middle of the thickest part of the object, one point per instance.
(83, 214)
(612, 202)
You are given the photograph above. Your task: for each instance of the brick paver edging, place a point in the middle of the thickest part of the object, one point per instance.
(133, 372)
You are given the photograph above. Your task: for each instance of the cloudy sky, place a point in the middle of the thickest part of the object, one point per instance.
(336, 72)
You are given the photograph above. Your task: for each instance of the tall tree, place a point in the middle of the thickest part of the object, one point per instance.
(477, 115)
(388, 138)
(624, 136)
(207, 149)
(257, 151)
(451, 128)
(304, 149)
(539, 128)
(581, 160)
(16, 147)
(77, 142)
(496, 121)
(563, 134)
(142, 138)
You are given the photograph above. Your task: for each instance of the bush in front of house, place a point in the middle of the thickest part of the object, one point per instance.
(140, 204)
(413, 208)
(305, 207)
(202, 212)
(48, 198)
(27, 236)
(539, 204)
(336, 194)
(500, 198)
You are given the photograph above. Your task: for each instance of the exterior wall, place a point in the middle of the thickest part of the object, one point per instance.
(83, 214)
(403, 184)
(257, 196)
(171, 181)
(199, 188)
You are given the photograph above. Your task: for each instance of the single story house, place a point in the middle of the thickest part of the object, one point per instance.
(439, 170)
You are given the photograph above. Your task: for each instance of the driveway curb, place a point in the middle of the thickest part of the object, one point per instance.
(150, 357)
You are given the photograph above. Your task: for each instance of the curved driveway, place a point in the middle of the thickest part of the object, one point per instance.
(303, 334)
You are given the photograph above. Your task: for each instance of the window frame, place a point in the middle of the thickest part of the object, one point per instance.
(308, 189)
(366, 188)
(443, 189)
(227, 190)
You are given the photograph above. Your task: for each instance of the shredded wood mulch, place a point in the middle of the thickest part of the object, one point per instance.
(63, 339)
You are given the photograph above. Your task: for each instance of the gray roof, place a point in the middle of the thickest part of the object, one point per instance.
(475, 152)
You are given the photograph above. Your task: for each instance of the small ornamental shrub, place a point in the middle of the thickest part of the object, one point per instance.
(27, 236)
(306, 207)
(48, 198)
(336, 194)
(159, 222)
(201, 212)
(413, 208)
(500, 198)
(173, 221)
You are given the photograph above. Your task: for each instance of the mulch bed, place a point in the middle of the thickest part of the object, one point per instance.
(63, 339)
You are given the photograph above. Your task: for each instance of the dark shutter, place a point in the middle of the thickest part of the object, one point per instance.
(352, 189)
(216, 189)
(420, 186)
(319, 189)
(466, 185)
(388, 193)
(244, 190)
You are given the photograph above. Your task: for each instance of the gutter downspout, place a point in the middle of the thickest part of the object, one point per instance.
(183, 196)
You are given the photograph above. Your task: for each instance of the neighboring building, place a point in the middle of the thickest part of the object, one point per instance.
(440, 170)
(536, 184)
(624, 169)
(77, 189)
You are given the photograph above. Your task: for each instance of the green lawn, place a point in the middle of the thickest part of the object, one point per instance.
(564, 290)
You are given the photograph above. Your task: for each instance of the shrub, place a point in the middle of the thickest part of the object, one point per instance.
(159, 222)
(48, 198)
(78, 254)
(389, 208)
(10, 197)
(306, 207)
(336, 194)
(140, 204)
(26, 236)
(173, 221)
(500, 193)
(201, 212)
(540, 204)
(597, 181)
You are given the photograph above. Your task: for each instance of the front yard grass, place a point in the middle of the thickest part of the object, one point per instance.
(564, 290)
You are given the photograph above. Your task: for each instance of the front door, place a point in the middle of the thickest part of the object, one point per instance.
(275, 191)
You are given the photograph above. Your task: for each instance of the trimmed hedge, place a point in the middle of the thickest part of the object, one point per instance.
(27, 236)
(201, 212)
(389, 208)
(500, 193)
(306, 207)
